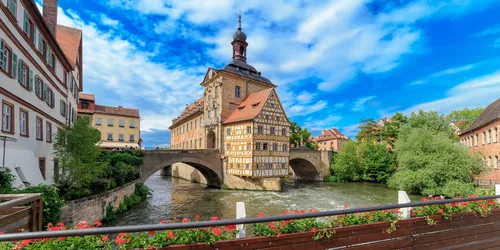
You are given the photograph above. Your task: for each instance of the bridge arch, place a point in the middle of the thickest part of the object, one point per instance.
(308, 164)
(207, 162)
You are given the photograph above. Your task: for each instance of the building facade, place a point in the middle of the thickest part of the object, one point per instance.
(482, 137)
(330, 139)
(119, 126)
(40, 77)
(240, 115)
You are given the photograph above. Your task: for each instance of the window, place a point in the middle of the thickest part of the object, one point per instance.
(216, 112)
(191, 144)
(488, 163)
(208, 114)
(275, 146)
(237, 90)
(121, 137)
(41, 44)
(26, 23)
(195, 124)
(285, 147)
(12, 6)
(48, 132)
(85, 105)
(132, 124)
(39, 128)
(484, 137)
(216, 91)
(272, 105)
(13, 69)
(7, 117)
(62, 107)
(257, 166)
(273, 130)
(255, 105)
(4, 57)
(39, 87)
(98, 121)
(23, 122)
(283, 132)
(231, 165)
(195, 142)
(247, 166)
(228, 131)
(257, 146)
(267, 117)
(260, 129)
(476, 139)
(238, 166)
(488, 139)
(41, 166)
(132, 138)
(495, 134)
(228, 146)
(110, 122)
(264, 146)
(121, 123)
(110, 136)
(249, 146)
(23, 74)
(495, 163)
(249, 129)
(200, 142)
(283, 165)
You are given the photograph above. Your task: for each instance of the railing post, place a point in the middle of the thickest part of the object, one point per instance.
(402, 199)
(497, 191)
(241, 214)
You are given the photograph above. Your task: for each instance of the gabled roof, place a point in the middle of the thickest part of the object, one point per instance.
(330, 134)
(194, 107)
(250, 107)
(210, 73)
(117, 111)
(490, 113)
(69, 40)
(84, 96)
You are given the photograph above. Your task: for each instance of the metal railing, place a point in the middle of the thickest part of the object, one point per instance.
(202, 224)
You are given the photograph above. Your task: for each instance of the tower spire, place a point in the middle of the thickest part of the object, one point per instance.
(239, 21)
(239, 43)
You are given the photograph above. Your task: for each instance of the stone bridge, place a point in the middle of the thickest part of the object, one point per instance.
(310, 165)
(206, 161)
(307, 164)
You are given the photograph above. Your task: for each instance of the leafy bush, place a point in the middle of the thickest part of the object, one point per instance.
(110, 214)
(142, 190)
(347, 166)
(6, 180)
(52, 203)
(377, 162)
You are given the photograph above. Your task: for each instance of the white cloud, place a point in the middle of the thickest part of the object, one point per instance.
(359, 105)
(450, 71)
(108, 21)
(479, 91)
(324, 123)
(489, 31)
(301, 110)
(305, 97)
(340, 104)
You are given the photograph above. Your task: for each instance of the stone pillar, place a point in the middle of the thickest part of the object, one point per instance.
(403, 199)
(326, 157)
(241, 214)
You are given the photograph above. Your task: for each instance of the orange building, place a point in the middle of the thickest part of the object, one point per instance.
(330, 139)
(482, 136)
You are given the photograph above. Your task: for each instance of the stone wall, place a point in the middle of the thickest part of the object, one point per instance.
(186, 172)
(93, 208)
(264, 184)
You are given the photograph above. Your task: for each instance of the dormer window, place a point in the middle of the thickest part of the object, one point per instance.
(241, 108)
(255, 105)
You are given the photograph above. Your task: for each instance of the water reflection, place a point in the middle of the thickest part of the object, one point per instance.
(179, 198)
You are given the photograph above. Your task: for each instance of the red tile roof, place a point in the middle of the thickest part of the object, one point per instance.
(330, 134)
(489, 114)
(117, 111)
(245, 111)
(189, 110)
(69, 40)
(89, 97)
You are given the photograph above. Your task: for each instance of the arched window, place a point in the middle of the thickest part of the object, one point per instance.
(242, 50)
(488, 139)
(488, 164)
(495, 134)
(495, 163)
(476, 139)
(484, 137)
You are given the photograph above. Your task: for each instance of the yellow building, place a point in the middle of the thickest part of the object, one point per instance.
(239, 114)
(119, 127)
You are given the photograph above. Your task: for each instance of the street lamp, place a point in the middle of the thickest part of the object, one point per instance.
(6, 138)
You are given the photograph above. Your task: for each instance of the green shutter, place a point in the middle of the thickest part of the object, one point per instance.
(26, 24)
(30, 84)
(40, 42)
(20, 72)
(14, 65)
(53, 101)
(44, 92)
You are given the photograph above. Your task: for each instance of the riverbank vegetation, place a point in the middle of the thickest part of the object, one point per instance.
(419, 154)
(301, 137)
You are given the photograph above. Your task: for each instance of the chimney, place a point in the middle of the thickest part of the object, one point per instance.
(50, 15)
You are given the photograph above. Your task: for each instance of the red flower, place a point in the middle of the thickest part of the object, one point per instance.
(413, 214)
(367, 216)
(119, 240)
(279, 235)
(437, 198)
(2, 232)
(441, 211)
(185, 220)
(215, 218)
(96, 224)
(151, 247)
(273, 227)
(151, 233)
(283, 223)
(314, 230)
(345, 206)
(261, 214)
(424, 199)
(230, 227)
(163, 222)
(313, 210)
(82, 225)
(105, 238)
(216, 231)
(197, 217)
(170, 235)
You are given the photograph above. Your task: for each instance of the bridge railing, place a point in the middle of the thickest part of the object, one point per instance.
(218, 223)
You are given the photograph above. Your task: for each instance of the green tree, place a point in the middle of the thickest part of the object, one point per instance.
(346, 166)
(465, 117)
(377, 162)
(77, 149)
(300, 138)
(430, 161)
(390, 130)
(369, 131)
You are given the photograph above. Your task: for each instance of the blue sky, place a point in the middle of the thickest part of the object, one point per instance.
(335, 62)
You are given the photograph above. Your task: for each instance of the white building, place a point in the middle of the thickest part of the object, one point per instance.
(40, 77)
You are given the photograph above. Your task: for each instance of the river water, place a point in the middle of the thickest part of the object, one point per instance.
(173, 197)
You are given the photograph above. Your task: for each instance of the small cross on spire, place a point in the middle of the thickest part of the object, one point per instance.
(239, 21)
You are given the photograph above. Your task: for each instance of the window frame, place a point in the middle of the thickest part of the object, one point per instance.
(249, 129)
(12, 130)
(265, 146)
(120, 123)
(121, 137)
(237, 91)
(131, 138)
(48, 131)
(228, 131)
(27, 132)
(23, 69)
(42, 168)
(112, 122)
(100, 121)
(110, 138)
(131, 124)
(38, 118)
(8, 59)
